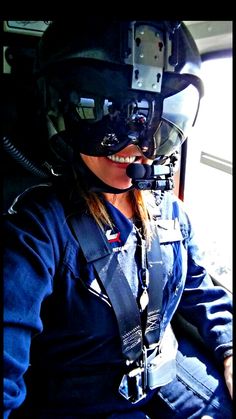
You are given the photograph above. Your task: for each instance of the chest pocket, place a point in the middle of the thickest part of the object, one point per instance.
(173, 253)
(169, 231)
(174, 256)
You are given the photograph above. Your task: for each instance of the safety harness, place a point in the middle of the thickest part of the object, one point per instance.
(98, 251)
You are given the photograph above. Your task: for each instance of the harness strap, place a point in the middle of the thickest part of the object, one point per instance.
(98, 251)
(156, 285)
(124, 305)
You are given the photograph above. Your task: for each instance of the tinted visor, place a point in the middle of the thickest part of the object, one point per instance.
(105, 118)
(179, 113)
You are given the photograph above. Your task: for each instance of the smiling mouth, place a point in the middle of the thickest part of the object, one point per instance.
(120, 159)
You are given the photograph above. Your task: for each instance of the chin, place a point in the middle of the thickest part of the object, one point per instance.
(121, 185)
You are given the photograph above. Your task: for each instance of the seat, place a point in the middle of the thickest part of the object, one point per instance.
(19, 130)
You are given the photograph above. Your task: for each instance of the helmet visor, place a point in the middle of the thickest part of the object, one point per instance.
(178, 117)
(102, 119)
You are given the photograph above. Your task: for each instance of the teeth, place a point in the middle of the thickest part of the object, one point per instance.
(119, 159)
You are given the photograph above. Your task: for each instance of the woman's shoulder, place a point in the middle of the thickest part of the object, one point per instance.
(48, 203)
(41, 194)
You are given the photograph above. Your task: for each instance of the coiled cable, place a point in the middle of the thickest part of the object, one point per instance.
(19, 156)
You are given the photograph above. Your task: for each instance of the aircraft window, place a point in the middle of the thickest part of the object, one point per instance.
(208, 177)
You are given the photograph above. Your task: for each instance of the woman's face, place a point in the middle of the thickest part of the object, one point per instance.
(112, 169)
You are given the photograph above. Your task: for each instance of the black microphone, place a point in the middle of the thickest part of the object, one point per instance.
(154, 176)
(147, 171)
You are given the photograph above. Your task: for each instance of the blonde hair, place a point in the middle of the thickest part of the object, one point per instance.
(139, 199)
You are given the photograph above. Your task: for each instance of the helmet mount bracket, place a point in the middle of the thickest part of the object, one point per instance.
(147, 57)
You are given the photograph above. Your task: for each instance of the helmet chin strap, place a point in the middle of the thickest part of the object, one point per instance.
(92, 182)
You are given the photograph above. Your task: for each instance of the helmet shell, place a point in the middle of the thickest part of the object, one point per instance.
(122, 64)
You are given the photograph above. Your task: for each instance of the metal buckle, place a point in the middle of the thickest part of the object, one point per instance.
(133, 384)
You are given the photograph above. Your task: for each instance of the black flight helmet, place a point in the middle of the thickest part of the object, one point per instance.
(110, 83)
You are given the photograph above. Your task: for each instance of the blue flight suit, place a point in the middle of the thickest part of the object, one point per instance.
(61, 336)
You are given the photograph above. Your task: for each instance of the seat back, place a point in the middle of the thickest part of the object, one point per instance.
(20, 131)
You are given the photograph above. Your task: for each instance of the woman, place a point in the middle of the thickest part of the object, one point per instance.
(96, 269)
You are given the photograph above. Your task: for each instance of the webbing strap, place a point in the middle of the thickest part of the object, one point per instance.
(156, 279)
(123, 303)
(92, 240)
(97, 251)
